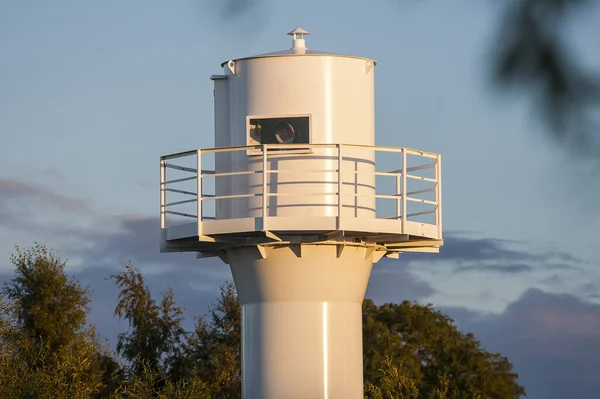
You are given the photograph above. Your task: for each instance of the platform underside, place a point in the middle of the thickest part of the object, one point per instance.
(388, 236)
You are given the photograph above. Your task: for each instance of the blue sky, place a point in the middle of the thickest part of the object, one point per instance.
(91, 94)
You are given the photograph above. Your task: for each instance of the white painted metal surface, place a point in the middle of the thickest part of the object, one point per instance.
(300, 224)
(335, 92)
(302, 321)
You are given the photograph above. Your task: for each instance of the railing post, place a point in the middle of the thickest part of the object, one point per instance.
(264, 187)
(163, 193)
(339, 186)
(438, 194)
(398, 196)
(404, 190)
(199, 190)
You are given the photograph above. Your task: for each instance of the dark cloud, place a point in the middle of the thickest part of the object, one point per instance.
(466, 248)
(195, 289)
(396, 284)
(508, 268)
(475, 249)
(24, 191)
(551, 339)
(465, 253)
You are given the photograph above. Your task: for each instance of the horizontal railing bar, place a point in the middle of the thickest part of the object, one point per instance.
(297, 194)
(422, 201)
(382, 196)
(421, 153)
(184, 168)
(421, 178)
(297, 149)
(420, 213)
(231, 149)
(391, 172)
(181, 202)
(426, 190)
(180, 180)
(304, 146)
(211, 197)
(276, 171)
(393, 196)
(209, 218)
(240, 173)
(174, 190)
(385, 173)
(181, 214)
(420, 167)
(392, 149)
(179, 155)
(388, 196)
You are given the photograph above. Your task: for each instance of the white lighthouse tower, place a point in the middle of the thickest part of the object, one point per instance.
(300, 203)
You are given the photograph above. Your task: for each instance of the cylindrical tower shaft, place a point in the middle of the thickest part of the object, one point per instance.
(301, 320)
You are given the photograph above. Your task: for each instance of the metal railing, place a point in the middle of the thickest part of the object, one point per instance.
(409, 187)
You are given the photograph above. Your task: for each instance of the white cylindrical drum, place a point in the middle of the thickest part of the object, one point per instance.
(329, 99)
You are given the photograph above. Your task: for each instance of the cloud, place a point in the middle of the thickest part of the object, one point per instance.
(465, 248)
(464, 253)
(552, 339)
(195, 289)
(395, 285)
(11, 189)
(508, 268)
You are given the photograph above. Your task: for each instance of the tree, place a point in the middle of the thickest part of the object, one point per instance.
(212, 352)
(410, 351)
(149, 384)
(533, 57)
(428, 345)
(46, 348)
(49, 307)
(155, 329)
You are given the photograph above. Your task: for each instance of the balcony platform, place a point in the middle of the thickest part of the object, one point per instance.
(412, 196)
(213, 236)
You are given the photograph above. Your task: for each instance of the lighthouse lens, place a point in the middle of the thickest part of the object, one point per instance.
(281, 131)
(284, 133)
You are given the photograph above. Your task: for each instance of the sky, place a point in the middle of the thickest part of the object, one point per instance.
(93, 93)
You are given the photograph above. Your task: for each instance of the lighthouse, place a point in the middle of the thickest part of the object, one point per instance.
(300, 203)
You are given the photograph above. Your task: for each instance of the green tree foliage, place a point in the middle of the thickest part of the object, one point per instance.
(396, 383)
(428, 345)
(155, 329)
(49, 307)
(212, 352)
(410, 351)
(46, 349)
(150, 384)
